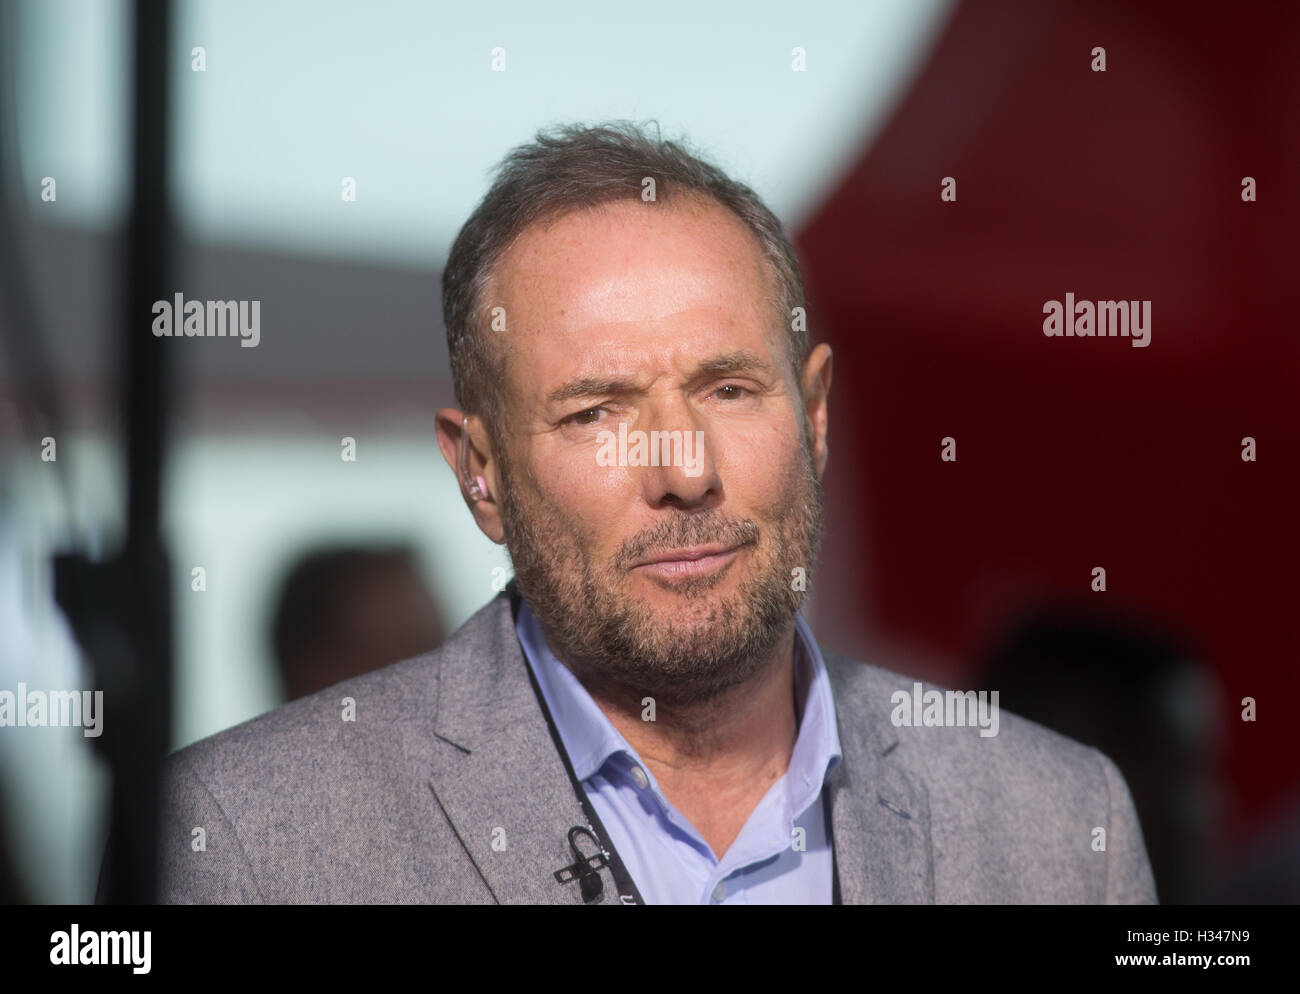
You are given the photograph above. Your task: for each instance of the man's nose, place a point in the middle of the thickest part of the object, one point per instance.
(681, 466)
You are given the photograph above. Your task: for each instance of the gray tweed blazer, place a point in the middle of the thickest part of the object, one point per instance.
(446, 788)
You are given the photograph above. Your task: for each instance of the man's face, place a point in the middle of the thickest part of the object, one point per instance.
(675, 579)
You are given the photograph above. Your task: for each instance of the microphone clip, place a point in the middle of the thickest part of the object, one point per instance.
(585, 869)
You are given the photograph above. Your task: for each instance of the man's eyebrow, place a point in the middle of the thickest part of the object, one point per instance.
(591, 386)
(738, 361)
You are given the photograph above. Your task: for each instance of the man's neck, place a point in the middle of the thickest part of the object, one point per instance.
(714, 759)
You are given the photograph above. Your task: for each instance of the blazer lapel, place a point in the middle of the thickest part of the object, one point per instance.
(880, 814)
(497, 775)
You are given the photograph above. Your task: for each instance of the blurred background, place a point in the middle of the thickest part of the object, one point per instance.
(292, 567)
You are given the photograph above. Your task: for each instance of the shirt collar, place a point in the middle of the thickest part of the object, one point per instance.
(590, 739)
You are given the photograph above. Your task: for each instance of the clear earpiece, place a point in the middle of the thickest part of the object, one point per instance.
(477, 485)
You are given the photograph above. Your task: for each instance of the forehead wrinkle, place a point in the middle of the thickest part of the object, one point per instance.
(589, 385)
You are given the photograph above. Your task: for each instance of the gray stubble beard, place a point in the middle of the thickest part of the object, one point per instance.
(688, 658)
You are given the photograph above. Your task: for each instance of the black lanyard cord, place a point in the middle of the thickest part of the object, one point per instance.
(627, 891)
(830, 837)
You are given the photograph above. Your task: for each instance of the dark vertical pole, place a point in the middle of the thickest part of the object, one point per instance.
(143, 707)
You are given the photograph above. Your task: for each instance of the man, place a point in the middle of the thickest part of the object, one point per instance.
(642, 715)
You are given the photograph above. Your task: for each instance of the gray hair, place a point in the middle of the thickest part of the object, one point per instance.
(568, 169)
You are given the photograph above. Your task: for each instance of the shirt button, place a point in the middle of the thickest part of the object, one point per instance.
(639, 776)
(720, 891)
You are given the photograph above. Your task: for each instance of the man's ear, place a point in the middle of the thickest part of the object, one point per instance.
(465, 446)
(816, 385)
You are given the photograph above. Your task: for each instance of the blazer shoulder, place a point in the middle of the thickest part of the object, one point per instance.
(893, 702)
(244, 810)
(371, 729)
(330, 798)
(964, 746)
(315, 730)
(1003, 792)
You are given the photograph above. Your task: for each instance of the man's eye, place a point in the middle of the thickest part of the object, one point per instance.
(737, 391)
(581, 417)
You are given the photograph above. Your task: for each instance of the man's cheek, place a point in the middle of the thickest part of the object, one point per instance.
(578, 483)
(775, 495)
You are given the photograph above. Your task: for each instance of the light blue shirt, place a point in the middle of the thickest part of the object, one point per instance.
(768, 863)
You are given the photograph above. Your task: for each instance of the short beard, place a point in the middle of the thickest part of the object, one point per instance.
(703, 648)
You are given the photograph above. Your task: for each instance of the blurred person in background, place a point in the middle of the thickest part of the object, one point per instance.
(343, 610)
